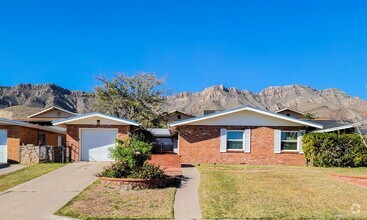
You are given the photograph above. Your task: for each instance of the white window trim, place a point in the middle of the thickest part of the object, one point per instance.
(289, 141)
(242, 140)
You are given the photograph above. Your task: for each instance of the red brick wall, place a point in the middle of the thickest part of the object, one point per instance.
(28, 135)
(72, 136)
(18, 135)
(201, 144)
(166, 160)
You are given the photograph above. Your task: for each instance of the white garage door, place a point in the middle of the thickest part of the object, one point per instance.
(3, 146)
(96, 142)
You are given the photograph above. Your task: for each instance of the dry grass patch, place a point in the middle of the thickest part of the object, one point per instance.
(99, 202)
(15, 178)
(279, 192)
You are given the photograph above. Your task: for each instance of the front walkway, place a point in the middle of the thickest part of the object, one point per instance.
(10, 168)
(41, 197)
(187, 200)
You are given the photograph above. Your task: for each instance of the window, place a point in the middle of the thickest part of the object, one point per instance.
(289, 140)
(162, 144)
(58, 113)
(41, 139)
(234, 140)
(178, 116)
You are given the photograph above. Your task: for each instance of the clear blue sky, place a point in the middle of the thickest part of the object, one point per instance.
(245, 44)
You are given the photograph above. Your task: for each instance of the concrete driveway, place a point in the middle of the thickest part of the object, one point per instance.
(41, 197)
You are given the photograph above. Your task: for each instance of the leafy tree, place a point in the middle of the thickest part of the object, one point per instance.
(139, 97)
(309, 116)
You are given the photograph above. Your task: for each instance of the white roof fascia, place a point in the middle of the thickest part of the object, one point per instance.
(89, 115)
(48, 109)
(23, 124)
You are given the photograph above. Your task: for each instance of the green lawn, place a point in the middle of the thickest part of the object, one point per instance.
(10, 180)
(99, 202)
(235, 191)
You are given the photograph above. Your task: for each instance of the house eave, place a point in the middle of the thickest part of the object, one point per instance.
(271, 114)
(93, 114)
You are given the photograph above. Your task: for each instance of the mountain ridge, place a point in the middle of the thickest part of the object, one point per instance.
(326, 103)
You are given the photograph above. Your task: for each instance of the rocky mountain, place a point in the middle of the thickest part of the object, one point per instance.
(328, 103)
(45, 95)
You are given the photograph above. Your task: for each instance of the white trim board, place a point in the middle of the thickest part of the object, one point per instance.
(51, 108)
(343, 127)
(39, 127)
(75, 119)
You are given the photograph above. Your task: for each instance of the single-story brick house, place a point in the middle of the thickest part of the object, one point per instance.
(15, 133)
(243, 135)
(91, 135)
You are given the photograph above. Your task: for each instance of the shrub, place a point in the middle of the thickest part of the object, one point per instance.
(115, 170)
(131, 151)
(131, 155)
(148, 171)
(334, 150)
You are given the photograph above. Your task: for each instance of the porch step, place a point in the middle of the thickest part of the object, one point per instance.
(173, 171)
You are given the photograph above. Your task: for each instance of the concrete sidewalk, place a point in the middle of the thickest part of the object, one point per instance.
(11, 168)
(41, 197)
(187, 200)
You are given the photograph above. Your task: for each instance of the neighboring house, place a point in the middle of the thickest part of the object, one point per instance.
(243, 135)
(45, 117)
(91, 135)
(15, 133)
(291, 113)
(342, 127)
(175, 115)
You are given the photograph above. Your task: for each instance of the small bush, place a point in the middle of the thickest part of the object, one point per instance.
(148, 171)
(115, 170)
(131, 155)
(131, 151)
(334, 150)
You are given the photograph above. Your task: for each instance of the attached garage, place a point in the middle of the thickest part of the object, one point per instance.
(95, 143)
(91, 135)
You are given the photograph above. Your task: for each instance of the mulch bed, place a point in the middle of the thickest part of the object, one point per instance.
(360, 181)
